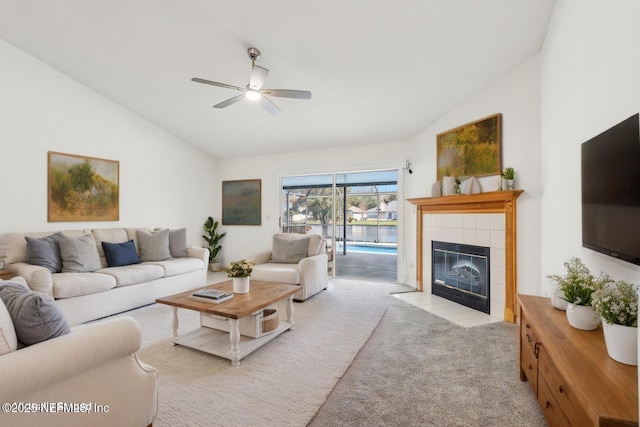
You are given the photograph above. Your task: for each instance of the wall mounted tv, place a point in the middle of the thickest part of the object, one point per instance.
(611, 191)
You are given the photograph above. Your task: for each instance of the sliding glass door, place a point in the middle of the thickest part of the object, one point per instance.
(354, 211)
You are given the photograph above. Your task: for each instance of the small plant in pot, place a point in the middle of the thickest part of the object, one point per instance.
(213, 242)
(240, 271)
(509, 174)
(577, 288)
(617, 305)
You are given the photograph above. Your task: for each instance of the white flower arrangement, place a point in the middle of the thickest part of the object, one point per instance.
(240, 268)
(578, 285)
(617, 303)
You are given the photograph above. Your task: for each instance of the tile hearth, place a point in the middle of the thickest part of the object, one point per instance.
(451, 311)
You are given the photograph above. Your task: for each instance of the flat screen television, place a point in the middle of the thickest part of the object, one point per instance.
(611, 191)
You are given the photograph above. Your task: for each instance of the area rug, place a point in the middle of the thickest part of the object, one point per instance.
(283, 383)
(418, 369)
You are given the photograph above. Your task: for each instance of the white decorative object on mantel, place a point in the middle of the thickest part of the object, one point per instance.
(449, 186)
(470, 186)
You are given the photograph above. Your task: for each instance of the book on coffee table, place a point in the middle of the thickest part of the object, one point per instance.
(211, 295)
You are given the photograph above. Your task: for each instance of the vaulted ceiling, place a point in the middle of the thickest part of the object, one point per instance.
(379, 70)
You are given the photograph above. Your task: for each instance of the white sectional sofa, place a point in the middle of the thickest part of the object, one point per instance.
(294, 259)
(91, 291)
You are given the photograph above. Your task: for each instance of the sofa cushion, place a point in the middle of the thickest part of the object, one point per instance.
(44, 252)
(154, 245)
(289, 249)
(69, 285)
(120, 254)
(133, 274)
(281, 273)
(178, 243)
(36, 318)
(8, 338)
(79, 254)
(111, 235)
(316, 245)
(174, 267)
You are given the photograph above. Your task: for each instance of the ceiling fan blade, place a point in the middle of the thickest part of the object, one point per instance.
(258, 77)
(229, 101)
(287, 93)
(209, 82)
(269, 106)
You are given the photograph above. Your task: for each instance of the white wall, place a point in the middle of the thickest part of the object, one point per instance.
(517, 97)
(163, 181)
(589, 82)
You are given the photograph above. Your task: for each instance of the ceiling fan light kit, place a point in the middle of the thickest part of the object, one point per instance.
(253, 91)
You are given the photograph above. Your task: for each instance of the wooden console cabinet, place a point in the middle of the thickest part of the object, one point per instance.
(574, 379)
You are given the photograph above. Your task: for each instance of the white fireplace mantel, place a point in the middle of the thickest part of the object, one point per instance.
(491, 202)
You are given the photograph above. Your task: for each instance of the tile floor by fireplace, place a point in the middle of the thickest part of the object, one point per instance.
(449, 310)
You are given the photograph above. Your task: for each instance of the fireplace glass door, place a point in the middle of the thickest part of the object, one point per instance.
(461, 274)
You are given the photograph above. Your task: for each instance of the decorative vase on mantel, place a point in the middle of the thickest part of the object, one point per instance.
(582, 317)
(622, 342)
(241, 285)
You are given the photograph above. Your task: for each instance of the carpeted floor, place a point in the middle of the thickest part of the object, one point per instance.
(357, 357)
(283, 383)
(418, 369)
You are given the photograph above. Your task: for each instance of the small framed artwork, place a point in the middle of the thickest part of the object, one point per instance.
(82, 188)
(473, 149)
(241, 202)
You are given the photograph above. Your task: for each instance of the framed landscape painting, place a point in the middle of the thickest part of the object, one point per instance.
(81, 188)
(241, 202)
(473, 149)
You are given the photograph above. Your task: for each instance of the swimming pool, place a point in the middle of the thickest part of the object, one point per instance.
(369, 248)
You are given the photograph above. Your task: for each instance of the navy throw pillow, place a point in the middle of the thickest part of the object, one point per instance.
(120, 254)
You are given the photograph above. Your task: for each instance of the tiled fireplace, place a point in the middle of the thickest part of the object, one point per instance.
(483, 220)
(467, 233)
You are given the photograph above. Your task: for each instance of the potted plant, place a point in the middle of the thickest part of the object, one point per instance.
(213, 242)
(617, 305)
(240, 271)
(577, 287)
(509, 174)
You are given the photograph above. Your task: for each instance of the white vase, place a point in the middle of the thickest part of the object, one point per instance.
(622, 343)
(558, 301)
(582, 317)
(241, 285)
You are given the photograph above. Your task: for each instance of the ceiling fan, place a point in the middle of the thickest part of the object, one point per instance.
(254, 91)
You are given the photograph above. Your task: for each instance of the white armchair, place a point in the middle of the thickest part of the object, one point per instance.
(90, 376)
(295, 259)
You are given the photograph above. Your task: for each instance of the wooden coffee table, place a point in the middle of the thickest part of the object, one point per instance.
(231, 345)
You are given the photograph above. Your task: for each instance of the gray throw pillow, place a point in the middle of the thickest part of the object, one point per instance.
(79, 254)
(35, 317)
(154, 245)
(44, 252)
(178, 243)
(289, 250)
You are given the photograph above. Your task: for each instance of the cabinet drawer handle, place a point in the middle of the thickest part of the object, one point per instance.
(530, 367)
(561, 389)
(529, 338)
(547, 405)
(527, 326)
